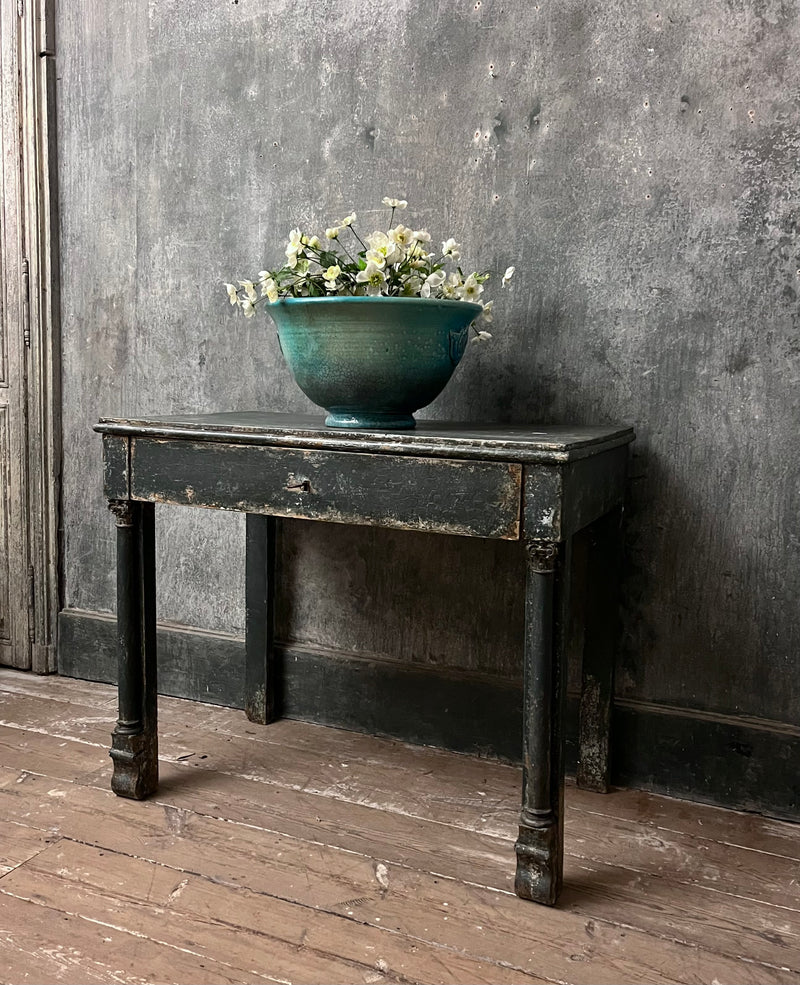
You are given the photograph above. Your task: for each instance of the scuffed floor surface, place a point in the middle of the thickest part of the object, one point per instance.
(296, 853)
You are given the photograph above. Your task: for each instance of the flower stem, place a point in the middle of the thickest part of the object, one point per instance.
(353, 231)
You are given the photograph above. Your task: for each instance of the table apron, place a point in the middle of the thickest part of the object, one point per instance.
(437, 495)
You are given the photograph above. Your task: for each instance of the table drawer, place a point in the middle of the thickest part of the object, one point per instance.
(477, 499)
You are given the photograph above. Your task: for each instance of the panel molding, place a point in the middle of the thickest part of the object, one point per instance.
(15, 649)
(5, 483)
(43, 397)
(743, 763)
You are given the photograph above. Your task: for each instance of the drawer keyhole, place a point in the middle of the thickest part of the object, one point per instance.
(300, 486)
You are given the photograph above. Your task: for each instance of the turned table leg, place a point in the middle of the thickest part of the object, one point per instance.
(540, 846)
(134, 743)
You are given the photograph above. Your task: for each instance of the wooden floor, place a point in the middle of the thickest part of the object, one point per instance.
(296, 853)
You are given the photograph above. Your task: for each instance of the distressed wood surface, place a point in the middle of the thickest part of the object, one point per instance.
(230, 878)
(116, 467)
(42, 368)
(262, 700)
(134, 749)
(15, 533)
(469, 498)
(30, 439)
(524, 443)
(436, 494)
(80, 710)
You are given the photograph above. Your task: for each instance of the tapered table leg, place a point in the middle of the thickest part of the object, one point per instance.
(540, 846)
(134, 743)
(260, 686)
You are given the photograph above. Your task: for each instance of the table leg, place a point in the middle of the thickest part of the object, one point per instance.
(260, 690)
(599, 650)
(134, 743)
(540, 847)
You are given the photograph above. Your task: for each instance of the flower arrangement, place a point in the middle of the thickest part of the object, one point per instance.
(394, 263)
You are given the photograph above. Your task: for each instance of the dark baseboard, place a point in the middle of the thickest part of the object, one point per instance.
(460, 711)
(745, 763)
(192, 663)
(742, 763)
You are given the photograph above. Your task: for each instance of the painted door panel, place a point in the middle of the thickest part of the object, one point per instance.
(15, 648)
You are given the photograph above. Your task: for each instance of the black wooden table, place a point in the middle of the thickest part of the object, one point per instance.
(551, 488)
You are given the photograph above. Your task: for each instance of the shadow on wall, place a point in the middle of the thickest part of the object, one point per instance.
(694, 633)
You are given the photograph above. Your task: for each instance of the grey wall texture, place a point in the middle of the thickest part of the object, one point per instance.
(638, 162)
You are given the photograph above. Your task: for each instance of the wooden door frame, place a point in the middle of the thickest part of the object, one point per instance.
(39, 273)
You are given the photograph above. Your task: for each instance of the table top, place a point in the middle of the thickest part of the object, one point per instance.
(508, 442)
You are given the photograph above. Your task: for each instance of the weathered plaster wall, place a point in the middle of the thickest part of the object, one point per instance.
(638, 163)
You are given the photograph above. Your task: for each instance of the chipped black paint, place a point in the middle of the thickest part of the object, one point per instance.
(435, 494)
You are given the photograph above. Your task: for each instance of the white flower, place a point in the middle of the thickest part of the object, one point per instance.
(481, 336)
(373, 277)
(378, 239)
(333, 232)
(348, 220)
(418, 253)
(421, 236)
(249, 289)
(470, 290)
(451, 286)
(372, 256)
(292, 250)
(381, 247)
(330, 276)
(508, 275)
(233, 294)
(314, 243)
(451, 249)
(248, 308)
(402, 236)
(395, 203)
(486, 315)
(269, 289)
(295, 246)
(432, 283)
(412, 286)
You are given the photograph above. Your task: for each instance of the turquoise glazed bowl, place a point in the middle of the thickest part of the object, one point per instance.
(372, 361)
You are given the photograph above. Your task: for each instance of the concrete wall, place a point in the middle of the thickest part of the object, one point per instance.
(638, 163)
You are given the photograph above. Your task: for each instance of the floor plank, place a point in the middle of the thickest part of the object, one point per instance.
(40, 944)
(687, 858)
(184, 723)
(21, 843)
(301, 853)
(309, 940)
(706, 917)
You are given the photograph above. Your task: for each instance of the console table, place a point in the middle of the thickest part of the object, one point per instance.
(548, 487)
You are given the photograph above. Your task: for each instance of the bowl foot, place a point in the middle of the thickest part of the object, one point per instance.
(374, 421)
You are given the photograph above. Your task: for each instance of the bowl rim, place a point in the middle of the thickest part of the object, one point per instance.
(379, 299)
